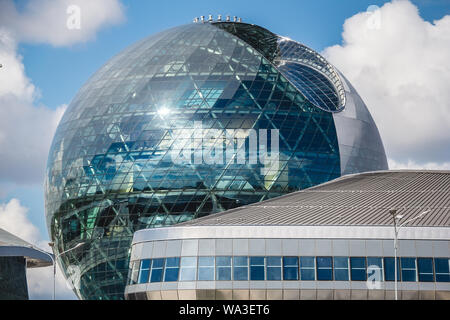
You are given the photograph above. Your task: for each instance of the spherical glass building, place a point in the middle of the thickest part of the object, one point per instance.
(118, 161)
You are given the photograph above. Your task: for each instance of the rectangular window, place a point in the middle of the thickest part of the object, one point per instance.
(157, 270)
(172, 269)
(324, 268)
(188, 268)
(408, 266)
(240, 268)
(389, 268)
(144, 271)
(358, 269)
(223, 268)
(273, 268)
(205, 268)
(425, 269)
(290, 268)
(256, 268)
(441, 267)
(375, 267)
(341, 268)
(307, 268)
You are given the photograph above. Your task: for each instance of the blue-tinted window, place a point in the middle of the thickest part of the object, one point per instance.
(172, 269)
(375, 268)
(324, 268)
(240, 268)
(341, 268)
(358, 269)
(144, 271)
(188, 268)
(408, 269)
(205, 268)
(273, 268)
(307, 268)
(425, 269)
(157, 270)
(441, 266)
(257, 268)
(389, 267)
(290, 268)
(223, 268)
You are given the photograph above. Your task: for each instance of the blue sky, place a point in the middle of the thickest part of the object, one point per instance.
(59, 72)
(57, 69)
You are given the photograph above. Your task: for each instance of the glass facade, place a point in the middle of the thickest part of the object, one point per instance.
(117, 161)
(310, 269)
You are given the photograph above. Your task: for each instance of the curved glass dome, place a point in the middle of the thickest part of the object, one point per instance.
(111, 169)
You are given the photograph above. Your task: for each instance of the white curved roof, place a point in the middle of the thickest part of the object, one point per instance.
(13, 246)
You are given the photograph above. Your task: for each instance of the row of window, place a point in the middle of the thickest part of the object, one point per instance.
(243, 268)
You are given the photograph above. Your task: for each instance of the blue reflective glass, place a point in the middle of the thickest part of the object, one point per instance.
(143, 276)
(375, 268)
(273, 268)
(307, 262)
(389, 267)
(223, 268)
(256, 268)
(206, 273)
(187, 274)
(340, 262)
(171, 274)
(324, 268)
(425, 269)
(290, 268)
(441, 267)
(205, 268)
(145, 264)
(273, 273)
(240, 261)
(274, 261)
(157, 263)
(257, 261)
(341, 274)
(156, 275)
(205, 261)
(408, 266)
(172, 262)
(240, 268)
(358, 269)
(257, 273)
(188, 268)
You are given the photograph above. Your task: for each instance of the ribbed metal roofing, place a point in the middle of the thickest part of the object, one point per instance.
(360, 199)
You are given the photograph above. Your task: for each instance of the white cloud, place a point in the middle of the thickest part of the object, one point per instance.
(14, 219)
(410, 164)
(45, 21)
(400, 67)
(26, 129)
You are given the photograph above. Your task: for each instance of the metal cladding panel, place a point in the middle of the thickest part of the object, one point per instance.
(360, 145)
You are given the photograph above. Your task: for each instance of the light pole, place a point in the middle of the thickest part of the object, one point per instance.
(396, 217)
(53, 257)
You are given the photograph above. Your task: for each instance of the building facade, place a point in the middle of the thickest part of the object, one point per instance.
(16, 255)
(178, 126)
(333, 241)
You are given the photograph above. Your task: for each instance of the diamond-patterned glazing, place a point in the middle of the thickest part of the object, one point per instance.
(110, 170)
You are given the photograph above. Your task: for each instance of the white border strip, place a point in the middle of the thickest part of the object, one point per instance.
(290, 232)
